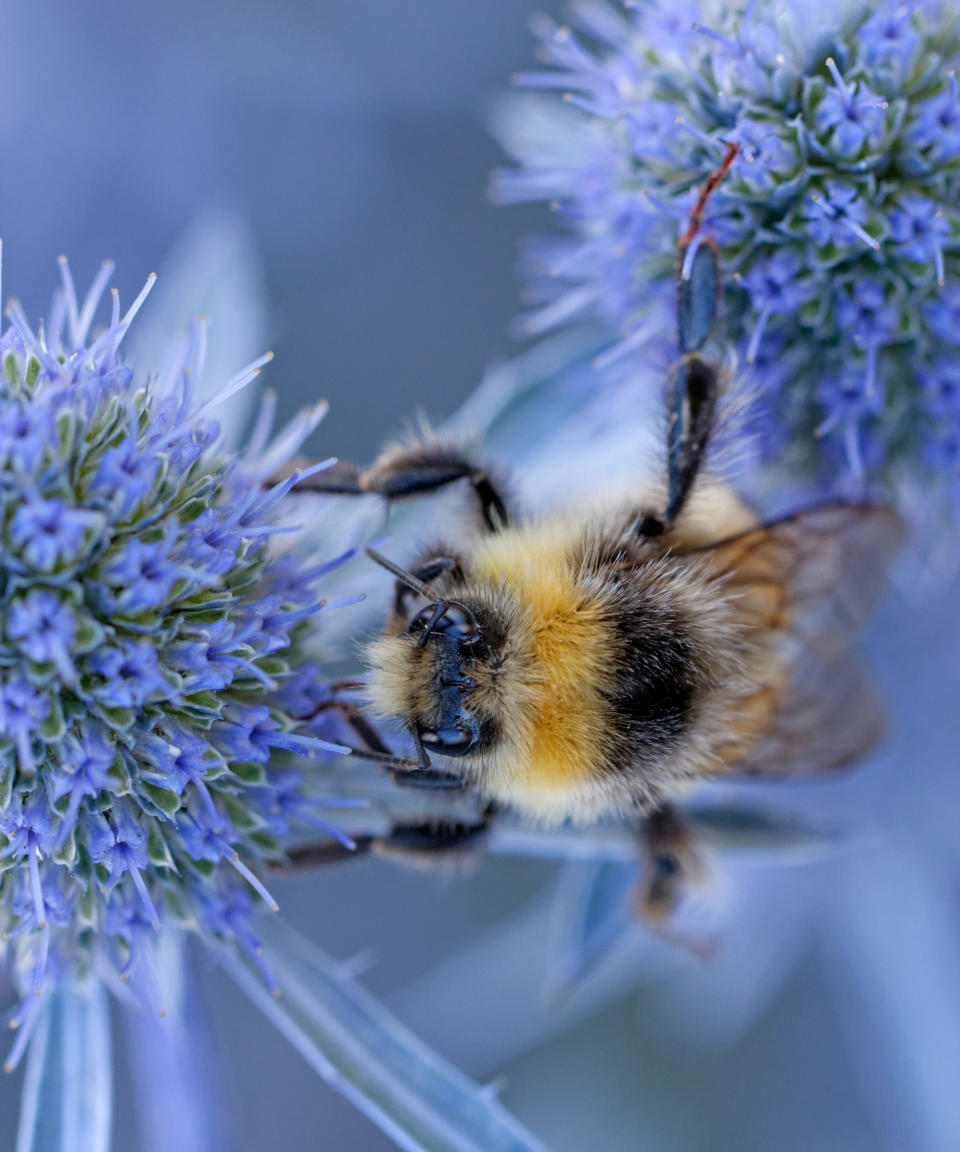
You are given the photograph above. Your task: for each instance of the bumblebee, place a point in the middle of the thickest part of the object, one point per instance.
(574, 667)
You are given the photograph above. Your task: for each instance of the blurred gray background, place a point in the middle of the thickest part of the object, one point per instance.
(351, 137)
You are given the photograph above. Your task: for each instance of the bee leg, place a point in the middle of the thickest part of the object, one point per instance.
(429, 779)
(709, 187)
(403, 771)
(425, 468)
(693, 390)
(671, 865)
(695, 382)
(322, 852)
(427, 840)
(415, 470)
(664, 839)
(359, 724)
(692, 400)
(412, 842)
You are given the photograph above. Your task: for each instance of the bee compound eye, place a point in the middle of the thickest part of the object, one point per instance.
(456, 621)
(456, 740)
(460, 622)
(422, 618)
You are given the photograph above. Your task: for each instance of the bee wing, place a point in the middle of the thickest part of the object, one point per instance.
(829, 718)
(735, 826)
(815, 576)
(820, 572)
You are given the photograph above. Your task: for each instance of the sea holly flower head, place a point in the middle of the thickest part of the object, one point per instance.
(838, 223)
(153, 649)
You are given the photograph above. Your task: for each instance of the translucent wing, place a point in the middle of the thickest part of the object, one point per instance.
(828, 718)
(819, 573)
(814, 577)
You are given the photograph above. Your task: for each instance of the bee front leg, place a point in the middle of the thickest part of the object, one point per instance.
(426, 841)
(405, 772)
(694, 387)
(693, 390)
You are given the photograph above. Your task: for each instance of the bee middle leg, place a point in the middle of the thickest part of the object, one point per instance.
(415, 470)
(411, 842)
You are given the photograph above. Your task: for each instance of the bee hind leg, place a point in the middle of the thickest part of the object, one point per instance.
(671, 866)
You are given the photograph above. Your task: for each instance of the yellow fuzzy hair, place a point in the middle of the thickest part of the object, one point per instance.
(561, 631)
(547, 692)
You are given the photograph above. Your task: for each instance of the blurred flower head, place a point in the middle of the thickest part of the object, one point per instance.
(837, 225)
(152, 653)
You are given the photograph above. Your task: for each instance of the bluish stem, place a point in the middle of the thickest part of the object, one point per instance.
(68, 1088)
(358, 1047)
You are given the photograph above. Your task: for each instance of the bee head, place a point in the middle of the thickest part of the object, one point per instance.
(426, 670)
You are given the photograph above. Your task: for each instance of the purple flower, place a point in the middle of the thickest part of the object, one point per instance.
(142, 643)
(25, 436)
(22, 710)
(847, 120)
(44, 627)
(126, 474)
(49, 534)
(838, 216)
(934, 128)
(28, 826)
(142, 574)
(942, 314)
(918, 227)
(211, 545)
(941, 390)
(119, 844)
(777, 287)
(85, 759)
(130, 674)
(890, 37)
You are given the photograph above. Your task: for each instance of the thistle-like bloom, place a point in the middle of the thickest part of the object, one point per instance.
(838, 223)
(152, 655)
(161, 720)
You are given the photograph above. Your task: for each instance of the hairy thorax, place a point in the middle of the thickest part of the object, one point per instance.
(609, 673)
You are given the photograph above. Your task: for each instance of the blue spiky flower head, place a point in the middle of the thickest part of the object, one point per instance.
(838, 224)
(153, 652)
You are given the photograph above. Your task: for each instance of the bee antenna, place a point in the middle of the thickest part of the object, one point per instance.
(403, 575)
(696, 216)
(438, 611)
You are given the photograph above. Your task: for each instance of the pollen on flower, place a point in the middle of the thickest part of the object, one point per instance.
(848, 174)
(152, 653)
